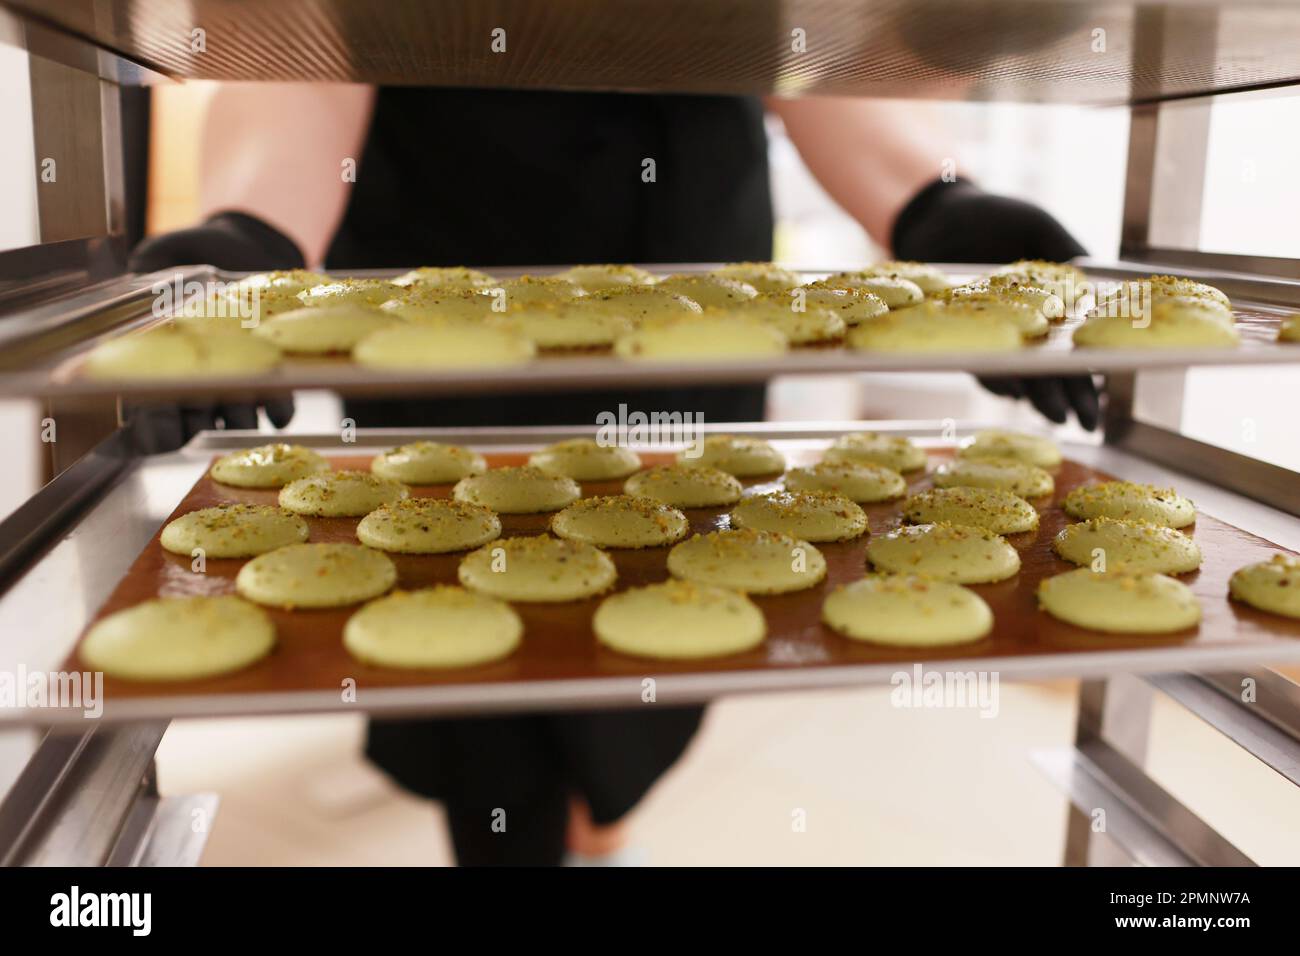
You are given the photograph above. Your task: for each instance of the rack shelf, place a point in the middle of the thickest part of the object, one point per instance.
(1034, 50)
(42, 348)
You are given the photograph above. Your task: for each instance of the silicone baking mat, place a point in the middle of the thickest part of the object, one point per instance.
(559, 644)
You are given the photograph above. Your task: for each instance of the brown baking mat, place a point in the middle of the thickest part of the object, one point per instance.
(559, 643)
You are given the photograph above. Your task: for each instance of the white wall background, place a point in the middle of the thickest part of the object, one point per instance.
(18, 227)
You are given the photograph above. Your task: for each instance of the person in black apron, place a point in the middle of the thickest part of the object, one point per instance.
(508, 178)
(551, 179)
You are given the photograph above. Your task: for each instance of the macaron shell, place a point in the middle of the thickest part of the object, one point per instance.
(684, 487)
(907, 611)
(1127, 545)
(340, 494)
(428, 526)
(518, 490)
(998, 511)
(268, 466)
(540, 569)
(1027, 481)
(679, 620)
(433, 628)
(621, 521)
(428, 463)
(1272, 586)
(1130, 501)
(179, 638)
(860, 481)
(813, 516)
(946, 552)
(316, 575)
(1120, 601)
(584, 459)
(756, 562)
(233, 531)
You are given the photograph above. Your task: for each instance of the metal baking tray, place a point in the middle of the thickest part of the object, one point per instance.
(40, 349)
(44, 612)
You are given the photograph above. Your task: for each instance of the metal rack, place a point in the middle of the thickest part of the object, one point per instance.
(89, 798)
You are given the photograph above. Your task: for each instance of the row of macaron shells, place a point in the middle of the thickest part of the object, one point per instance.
(1027, 294)
(431, 317)
(702, 611)
(890, 607)
(957, 529)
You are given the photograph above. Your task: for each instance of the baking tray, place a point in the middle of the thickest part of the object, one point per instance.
(41, 349)
(561, 665)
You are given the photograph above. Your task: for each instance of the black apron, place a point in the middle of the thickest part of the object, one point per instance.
(504, 178)
(508, 178)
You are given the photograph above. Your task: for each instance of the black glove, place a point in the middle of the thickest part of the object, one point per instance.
(959, 222)
(160, 428)
(228, 240)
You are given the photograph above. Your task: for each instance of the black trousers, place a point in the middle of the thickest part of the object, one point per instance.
(506, 781)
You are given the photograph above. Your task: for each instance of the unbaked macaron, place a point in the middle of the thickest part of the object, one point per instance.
(233, 531)
(324, 329)
(433, 629)
(897, 452)
(948, 552)
(1111, 544)
(907, 610)
(338, 494)
(998, 511)
(428, 526)
(1130, 501)
(1027, 481)
(267, 466)
(428, 463)
(758, 562)
(518, 490)
(1272, 585)
(620, 521)
(1120, 601)
(683, 487)
(178, 639)
(679, 620)
(810, 515)
(738, 455)
(585, 459)
(860, 481)
(537, 569)
(315, 575)
(997, 443)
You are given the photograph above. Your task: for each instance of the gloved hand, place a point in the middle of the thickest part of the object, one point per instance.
(228, 240)
(160, 428)
(959, 222)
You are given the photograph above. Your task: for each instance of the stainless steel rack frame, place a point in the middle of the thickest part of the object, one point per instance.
(89, 798)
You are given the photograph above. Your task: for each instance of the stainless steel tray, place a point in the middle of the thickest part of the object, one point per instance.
(44, 610)
(39, 348)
